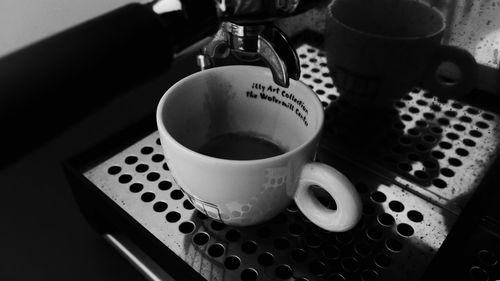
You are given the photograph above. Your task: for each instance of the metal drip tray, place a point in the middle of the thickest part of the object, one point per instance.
(397, 237)
(414, 178)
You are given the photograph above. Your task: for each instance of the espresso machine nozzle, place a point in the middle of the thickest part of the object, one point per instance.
(247, 31)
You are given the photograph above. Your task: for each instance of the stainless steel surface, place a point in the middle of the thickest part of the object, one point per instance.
(406, 215)
(398, 235)
(438, 149)
(250, 43)
(145, 265)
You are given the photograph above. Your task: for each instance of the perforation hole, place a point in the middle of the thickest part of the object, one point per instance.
(447, 172)
(469, 142)
(216, 250)
(164, 185)
(382, 260)
(147, 150)
(201, 238)
(415, 216)
(350, 264)
(478, 274)
(283, 271)
(232, 262)
(317, 268)
(421, 174)
(186, 227)
(187, 205)
(436, 130)
(414, 132)
(336, 277)
(429, 165)
(445, 145)
(173, 217)
(465, 119)
(141, 168)
(374, 233)
(136, 187)
(331, 252)
(429, 116)
(462, 152)
(265, 259)
(299, 255)
(362, 249)
(443, 121)
(160, 206)
(148, 197)
(295, 229)
(406, 117)
(201, 215)
(345, 237)
(233, 235)
(394, 245)
(249, 247)
(131, 160)
(114, 170)
(313, 241)
(369, 275)
(421, 123)
(153, 176)
(487, 258)
(456, 105)
(405, 229)
(437, 154)
(454, 162)
(487, 116)
(125, 178)
(439, 183)
(249, 274)
(385, 219)
(176, 194)
(459, 128)
(378, 197)
(217, 226)
(475, 133)
(396, 206)
(157, 158)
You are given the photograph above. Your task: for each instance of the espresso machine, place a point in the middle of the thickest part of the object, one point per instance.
(427, 175)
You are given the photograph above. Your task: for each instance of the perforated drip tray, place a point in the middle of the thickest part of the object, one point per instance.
(437, 148)
(413, 183)
(397, 237)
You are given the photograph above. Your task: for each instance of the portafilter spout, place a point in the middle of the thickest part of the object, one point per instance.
(250, 43)
(247, 31)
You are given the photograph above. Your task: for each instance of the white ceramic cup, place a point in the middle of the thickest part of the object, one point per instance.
(246, 192)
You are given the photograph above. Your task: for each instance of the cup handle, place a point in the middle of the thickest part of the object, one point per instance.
(461, 61)
(346, 197)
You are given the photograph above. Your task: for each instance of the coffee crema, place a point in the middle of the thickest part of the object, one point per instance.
(240, 146)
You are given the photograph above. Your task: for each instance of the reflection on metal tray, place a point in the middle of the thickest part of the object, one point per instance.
(397, 237)
(414, 177)
(439, 149)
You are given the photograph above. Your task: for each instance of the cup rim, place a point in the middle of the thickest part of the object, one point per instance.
(296, 83)
(396, 38)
